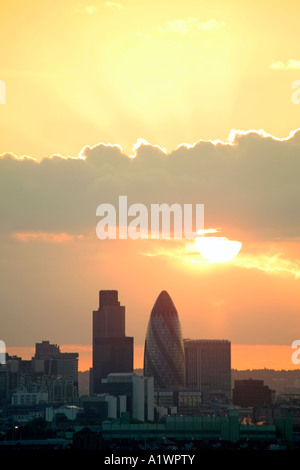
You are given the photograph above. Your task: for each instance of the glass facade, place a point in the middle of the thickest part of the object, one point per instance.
(164, 350)
(208, 366)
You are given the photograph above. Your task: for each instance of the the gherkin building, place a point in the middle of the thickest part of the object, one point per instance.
(164, 349)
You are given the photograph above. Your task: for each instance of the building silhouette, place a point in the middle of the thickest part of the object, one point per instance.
(208, 367)
(251, 392)
(50, 376)
(112, 349)
(51, 361)
(164, 350)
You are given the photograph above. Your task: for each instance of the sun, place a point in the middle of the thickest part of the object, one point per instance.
(217, 249)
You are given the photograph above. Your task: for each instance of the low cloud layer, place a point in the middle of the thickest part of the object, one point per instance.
(248, 185)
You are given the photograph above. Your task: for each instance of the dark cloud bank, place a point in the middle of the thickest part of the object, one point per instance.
(251, 185)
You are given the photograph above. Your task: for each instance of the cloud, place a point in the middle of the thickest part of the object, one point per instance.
(178, 26)
(210, 25)
(52, 263)
(275, 264)
(114, 5)
(46, 237)
(90, 9)
(248, 184)
(183, 26)
(140, 142)
(291, 64)
(270, 263)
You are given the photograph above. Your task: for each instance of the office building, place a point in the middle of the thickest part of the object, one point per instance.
(208, 367)
(50, 373)
(51, 361)
(178, 402)
(112, 349)
(56, 371)
(139, 392)
(29, 398)
(252, 393)
(164, 350)
(103, 406)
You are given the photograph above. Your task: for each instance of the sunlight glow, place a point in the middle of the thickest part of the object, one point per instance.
(217, 249)
(141, 142)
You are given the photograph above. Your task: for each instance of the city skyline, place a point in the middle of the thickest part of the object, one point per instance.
(149, 228)
(243, 357)
(247, 361)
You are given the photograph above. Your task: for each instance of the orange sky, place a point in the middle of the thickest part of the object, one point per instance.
(201, 95)
(242, 356)
(79, 73)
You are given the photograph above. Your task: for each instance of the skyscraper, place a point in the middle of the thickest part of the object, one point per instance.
(208, 366)
(164, 350)
(112, 350)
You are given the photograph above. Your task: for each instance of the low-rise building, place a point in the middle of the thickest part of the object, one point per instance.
(251, 393)
(139, 392)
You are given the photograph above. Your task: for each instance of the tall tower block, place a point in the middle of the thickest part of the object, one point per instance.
(112, 349)
(164, 350)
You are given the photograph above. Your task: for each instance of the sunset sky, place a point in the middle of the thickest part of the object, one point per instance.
(165, 102)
